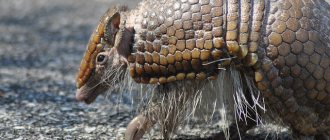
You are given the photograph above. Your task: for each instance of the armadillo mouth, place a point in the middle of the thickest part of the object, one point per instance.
(88, 95)
(89, 92)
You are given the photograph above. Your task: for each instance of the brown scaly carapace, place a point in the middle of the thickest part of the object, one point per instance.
(235, 50)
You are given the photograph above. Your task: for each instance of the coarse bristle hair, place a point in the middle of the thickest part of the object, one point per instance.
(175, 103)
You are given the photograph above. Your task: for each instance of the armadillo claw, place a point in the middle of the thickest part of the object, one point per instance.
(137, 127)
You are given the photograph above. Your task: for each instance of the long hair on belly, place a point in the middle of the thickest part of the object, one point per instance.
(173, 104)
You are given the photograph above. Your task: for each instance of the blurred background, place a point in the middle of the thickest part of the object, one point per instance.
(41, 44)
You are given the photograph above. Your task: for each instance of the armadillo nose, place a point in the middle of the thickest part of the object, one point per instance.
(80, 96)
(83, 95)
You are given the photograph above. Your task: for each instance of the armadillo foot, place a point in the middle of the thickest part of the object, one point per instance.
(137, 127)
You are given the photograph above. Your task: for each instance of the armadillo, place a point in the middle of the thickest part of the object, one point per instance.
(284, 45)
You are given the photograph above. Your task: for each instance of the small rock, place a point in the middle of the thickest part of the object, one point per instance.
(9, 136)
(66, 108)
(68, 137)
(19, 127)
(90, 129)
(70, 129)
(20, 138)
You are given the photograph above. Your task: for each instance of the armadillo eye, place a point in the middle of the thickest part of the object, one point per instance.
(101, 59)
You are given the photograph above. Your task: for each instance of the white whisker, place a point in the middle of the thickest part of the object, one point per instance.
(219, 60)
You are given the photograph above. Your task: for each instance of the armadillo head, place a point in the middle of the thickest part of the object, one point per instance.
(105, 55)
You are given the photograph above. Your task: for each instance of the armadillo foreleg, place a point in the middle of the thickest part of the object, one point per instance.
(141, 124)
(137, 127)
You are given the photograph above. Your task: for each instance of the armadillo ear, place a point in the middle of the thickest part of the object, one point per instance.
(111, 28)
